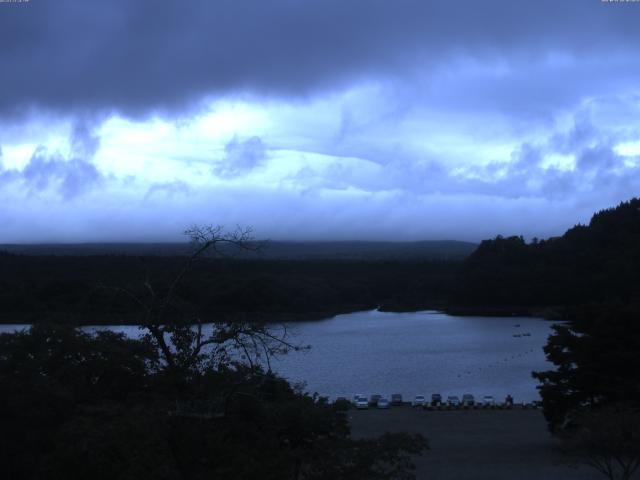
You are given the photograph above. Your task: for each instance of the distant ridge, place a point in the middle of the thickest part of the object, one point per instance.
(291, 250)
(363, 250)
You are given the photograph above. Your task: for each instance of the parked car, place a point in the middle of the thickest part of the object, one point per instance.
(436, 399)
(468, 400)
(396, 399)
(489, 401)
(453, 401)
(357, 397)
(383, 403)
(362, 403)
(418, 401)
(373, 401)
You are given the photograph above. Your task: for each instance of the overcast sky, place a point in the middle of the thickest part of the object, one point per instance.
(129, 120)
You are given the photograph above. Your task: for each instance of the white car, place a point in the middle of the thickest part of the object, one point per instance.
(489, 401)
(418, 401)
(453, 401)
(362, 403)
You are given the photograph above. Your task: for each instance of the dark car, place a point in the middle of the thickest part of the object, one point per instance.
(396, 399)
(436, 399)
(373, 401)
(468, 400)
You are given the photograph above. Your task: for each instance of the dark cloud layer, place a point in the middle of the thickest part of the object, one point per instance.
(137, 56)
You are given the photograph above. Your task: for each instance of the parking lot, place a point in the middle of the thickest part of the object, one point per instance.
(477, 444)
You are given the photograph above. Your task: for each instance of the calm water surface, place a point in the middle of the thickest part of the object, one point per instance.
(418, 353)
(411, 353)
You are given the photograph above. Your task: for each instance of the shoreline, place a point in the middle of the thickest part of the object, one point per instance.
(308, 317)
(551, 313)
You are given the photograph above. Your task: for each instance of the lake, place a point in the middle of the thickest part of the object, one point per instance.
(412, 353)
(418, 353)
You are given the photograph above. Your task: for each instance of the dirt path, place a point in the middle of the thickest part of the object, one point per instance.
(477, 444)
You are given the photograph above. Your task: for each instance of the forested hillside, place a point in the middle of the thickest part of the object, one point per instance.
(594, 263)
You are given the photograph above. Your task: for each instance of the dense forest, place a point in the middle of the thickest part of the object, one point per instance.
(594, 263)
(87, 289)
(268, 250)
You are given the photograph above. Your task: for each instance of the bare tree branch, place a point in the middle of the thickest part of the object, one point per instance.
(186, 346)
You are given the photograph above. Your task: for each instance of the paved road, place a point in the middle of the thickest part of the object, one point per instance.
(477, 444)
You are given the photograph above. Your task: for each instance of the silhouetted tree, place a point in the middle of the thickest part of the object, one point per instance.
(597, 362)
(592, 398)
(608, 439)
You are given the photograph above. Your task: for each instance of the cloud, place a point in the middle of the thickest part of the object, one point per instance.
(68, 175)
(71, 176)
(536, 185)
(138, 57)
(169, 189)
(576, 160)
(590, 168)
(84, 142)
(322, 214)
(377, 119)
(241, 157)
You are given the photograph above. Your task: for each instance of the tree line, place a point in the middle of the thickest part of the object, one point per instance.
(78, 290)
